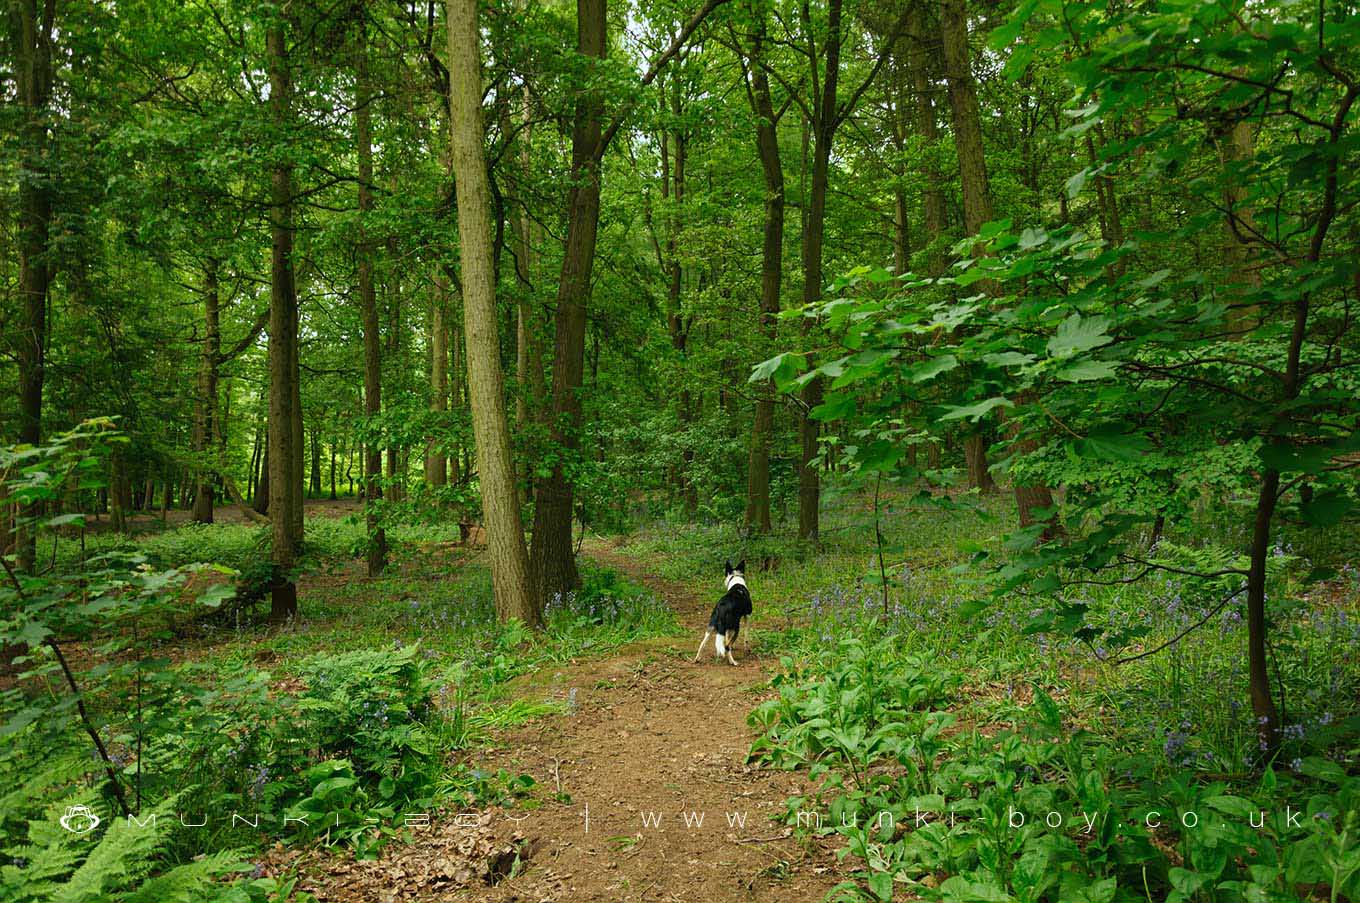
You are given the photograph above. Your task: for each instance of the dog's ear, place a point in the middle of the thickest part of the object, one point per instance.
(728, 564)
(741, 565)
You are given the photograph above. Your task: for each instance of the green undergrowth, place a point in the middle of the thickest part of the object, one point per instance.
(379, 702)
(970, 747)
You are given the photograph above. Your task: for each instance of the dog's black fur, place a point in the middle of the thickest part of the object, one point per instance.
(725, 622)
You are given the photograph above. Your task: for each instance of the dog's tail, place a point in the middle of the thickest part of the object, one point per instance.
(720, 644)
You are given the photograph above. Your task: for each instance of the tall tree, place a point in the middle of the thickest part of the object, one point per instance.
(285, 461)
(515, 597)
(436, 471)
(554, 565)
(825, 114)
(376, 556)
(32, 40)
(757, 82)
(977, 209)
(205, 409)
(918, 53)
(977, 196)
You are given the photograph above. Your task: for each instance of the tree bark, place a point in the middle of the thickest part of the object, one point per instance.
(435, 471)
(457, 379)
(554, 565)
(967, 120)
(260, 500)
(977, 197)
(205, 411)
(368, 311)
(771, 278)
(284, 478)
(1236, 148)
(674, 155)
(395, 472)
(33, 80)
(495, 462)
(529, 398)
(825, 122)
(117, 493)
(932, 191)
(314, 482)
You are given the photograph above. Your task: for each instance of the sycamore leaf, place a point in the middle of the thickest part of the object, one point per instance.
(1077, 334)
(1111, 447)
(1008, 359)
(932, 367)
(1076, 184)
(781, 368)
(1326, 509)
(1032, 238)
(1080, 371)
(974, 411)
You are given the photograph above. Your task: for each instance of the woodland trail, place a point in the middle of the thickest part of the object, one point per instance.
(650, 735)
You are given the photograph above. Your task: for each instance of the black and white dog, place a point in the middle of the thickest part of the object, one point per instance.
(725, 621)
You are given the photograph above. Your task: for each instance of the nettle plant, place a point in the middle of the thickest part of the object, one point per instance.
(1137, 378)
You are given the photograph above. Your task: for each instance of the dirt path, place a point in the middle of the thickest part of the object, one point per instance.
(651, 737)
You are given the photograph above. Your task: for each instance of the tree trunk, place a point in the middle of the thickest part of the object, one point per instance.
(963, 104)
(531, 392)
(314, 484)
(771, 276)
(932, 191)
(435, 472)
(283, 447)
(295, 522)
(977, 197)
(33, 81)
(975, 457)
(254, 464)
(368, 311)
(260, 501)
(395, 472)
(205, 411)
(824, 125)
(117, 495)
(457, 371)
(1258, 676)
(1235, 149)
(491, 430)
(673, 159)
(554, 565)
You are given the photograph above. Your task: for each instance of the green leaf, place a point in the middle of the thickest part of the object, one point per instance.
(1076, 183)
(1083, 370)
(781, 368)
(932, 367)
(881, 883)
(1077, 334)
(1111, 446)
(1008, 359)
(974, 411)
(1326, 509)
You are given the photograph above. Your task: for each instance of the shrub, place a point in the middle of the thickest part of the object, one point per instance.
(372, 707)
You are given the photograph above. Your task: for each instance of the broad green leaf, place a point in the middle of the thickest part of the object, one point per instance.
(1077, 334)
(974, 411)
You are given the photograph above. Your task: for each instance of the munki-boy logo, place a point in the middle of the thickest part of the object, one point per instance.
(79, 820)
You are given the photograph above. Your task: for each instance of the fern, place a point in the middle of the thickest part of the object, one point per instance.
(114, 862)
(186, 883)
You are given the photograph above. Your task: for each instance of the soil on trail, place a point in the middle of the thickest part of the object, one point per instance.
(652, 750)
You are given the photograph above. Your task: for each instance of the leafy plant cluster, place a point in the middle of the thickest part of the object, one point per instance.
(1040, 810)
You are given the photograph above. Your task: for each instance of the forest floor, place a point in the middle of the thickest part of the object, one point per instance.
(643, 790)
